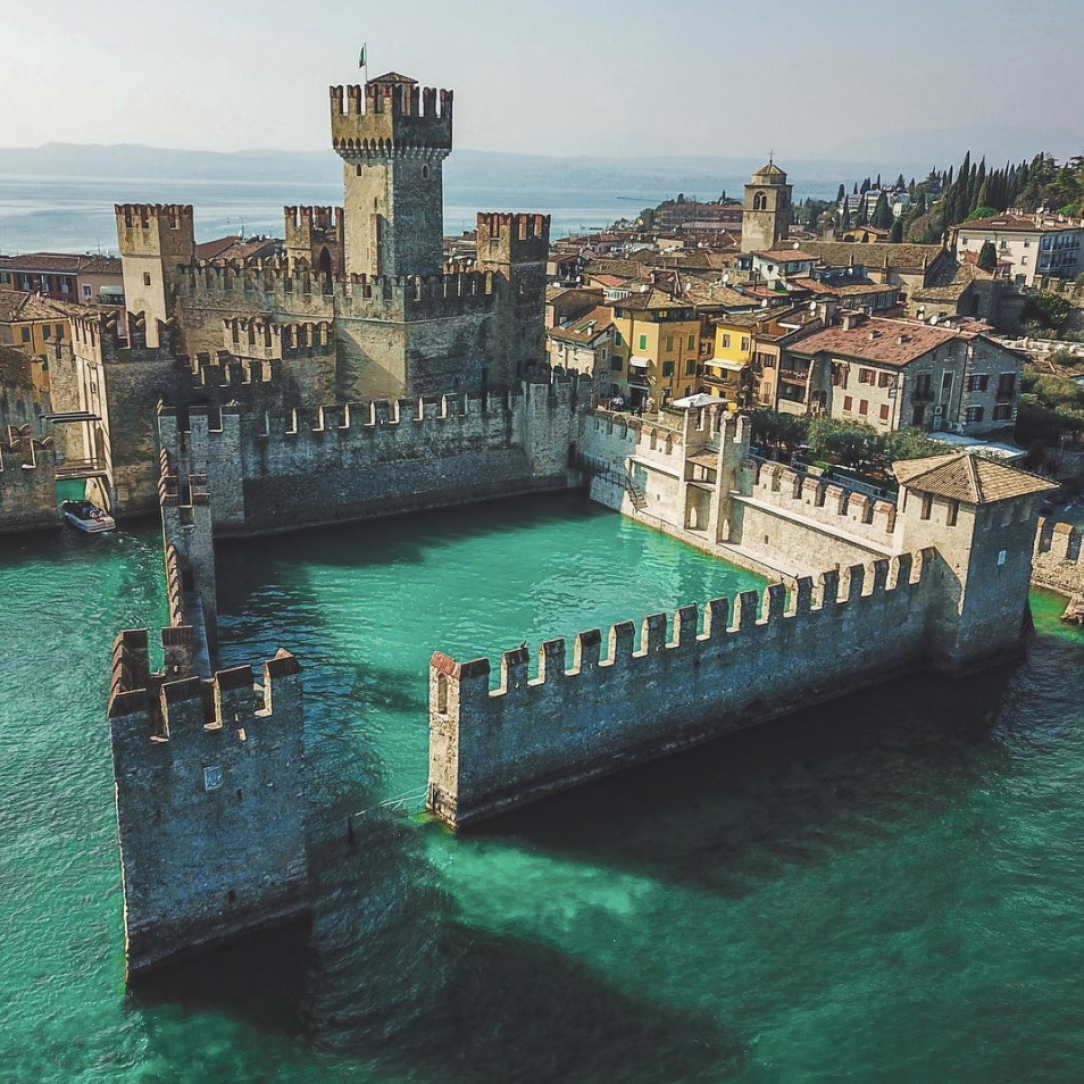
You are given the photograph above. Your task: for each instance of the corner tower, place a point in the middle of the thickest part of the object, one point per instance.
(766, 210)
(393, 137)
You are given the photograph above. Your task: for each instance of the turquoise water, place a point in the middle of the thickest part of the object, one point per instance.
(886, 888)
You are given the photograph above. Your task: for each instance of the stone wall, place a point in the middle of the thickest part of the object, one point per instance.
(491, 750)
(356, 461)
(1056, 562)
(27, 481)
(210, 802)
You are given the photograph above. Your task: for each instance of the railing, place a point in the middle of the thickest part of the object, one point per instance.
(608, 472)
(922, 395)
(794, 376)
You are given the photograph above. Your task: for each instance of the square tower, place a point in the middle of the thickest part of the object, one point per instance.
(766, 211)
(393, 137)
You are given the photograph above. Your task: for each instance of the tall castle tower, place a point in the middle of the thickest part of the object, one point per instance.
(393, 137)
(766, 212)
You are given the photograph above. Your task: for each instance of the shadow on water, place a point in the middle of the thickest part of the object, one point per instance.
(384, 977)
(743, 809)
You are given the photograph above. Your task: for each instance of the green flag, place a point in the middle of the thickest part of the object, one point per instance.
(362, 61)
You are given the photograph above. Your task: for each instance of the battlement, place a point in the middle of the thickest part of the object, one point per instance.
(712, 670)
(819, 500)
(263, 284)
(515, 238)
(302, 223)
(100, 337)
(24, 448)
(389, 120)
(155, 229)
(1057, 562)
(261, 338)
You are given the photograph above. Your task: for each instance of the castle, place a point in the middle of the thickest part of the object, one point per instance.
(357, 378)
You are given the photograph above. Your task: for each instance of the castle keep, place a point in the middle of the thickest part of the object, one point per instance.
(358, 377)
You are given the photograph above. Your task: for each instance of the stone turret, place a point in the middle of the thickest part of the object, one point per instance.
(393, 137)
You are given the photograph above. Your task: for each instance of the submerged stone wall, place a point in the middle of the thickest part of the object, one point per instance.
(491, 750)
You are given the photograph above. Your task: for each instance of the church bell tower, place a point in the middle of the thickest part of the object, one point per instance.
(766, 211)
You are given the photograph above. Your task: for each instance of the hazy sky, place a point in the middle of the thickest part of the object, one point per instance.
(552, 76)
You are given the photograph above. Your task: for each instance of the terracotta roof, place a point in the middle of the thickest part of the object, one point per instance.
(782, 255)
(62, 263)
(878, 340)
(904, 257)
(608, 280)
(19, 307)
(970, 478)
(584, 329)
(1019, 224)
(645, 297)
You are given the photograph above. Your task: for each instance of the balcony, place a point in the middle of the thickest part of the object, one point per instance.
(922, 395)
(795, 376)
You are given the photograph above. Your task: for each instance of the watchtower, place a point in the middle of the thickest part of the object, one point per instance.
(766, 211)
(153, 239)
(515, 247)
(980, 517)
(393, 137)
(315, 235)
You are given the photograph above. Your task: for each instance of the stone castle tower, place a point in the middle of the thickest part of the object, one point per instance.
(393, 137)
(766, 212)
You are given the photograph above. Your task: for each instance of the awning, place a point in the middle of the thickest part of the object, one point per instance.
(729, 366)
(698, 400)
(111, 291)
(640, 363)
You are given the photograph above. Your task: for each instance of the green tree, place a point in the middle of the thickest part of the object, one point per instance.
(851, 443)
(911, 443)
(1048, 309)
(895, 237)
(882, 213)
(988, 256)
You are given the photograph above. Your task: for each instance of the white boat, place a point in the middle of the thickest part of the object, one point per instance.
(88, 517)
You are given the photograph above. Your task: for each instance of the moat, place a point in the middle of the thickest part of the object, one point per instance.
(884, 888)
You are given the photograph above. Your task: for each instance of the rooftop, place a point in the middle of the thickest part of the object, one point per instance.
(964, 476)
(786, 255)
(1022, 223)
(19, 307)
(890, 342)
(903, 257)
(62, 263)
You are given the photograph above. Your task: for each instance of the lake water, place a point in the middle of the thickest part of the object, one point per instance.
(883, 889)
(60, 215)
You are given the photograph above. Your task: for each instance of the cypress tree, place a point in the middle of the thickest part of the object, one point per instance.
(882, 213)
(896, 236)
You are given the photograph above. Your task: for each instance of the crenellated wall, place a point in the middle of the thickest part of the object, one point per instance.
(1056, 562)
(210, 799)
(708, 674)
(279, 472)
(27, 479)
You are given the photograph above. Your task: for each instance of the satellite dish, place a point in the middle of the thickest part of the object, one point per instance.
(797, 245)
(812, 306)
(726, 279)
(764, 303)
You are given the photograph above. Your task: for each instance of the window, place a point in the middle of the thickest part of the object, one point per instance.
(863, 406)
(974, 414)
(953, 513)
(669, 342)
(667, 368)
(692, 342)
(978, 383)
(1003, 412)
(60, 331)
(884, 380)
(46, 332)
(690, 367)
(726, 342)
(923, 385)
(927, 505)
(146, 278)
(615, 364)
(65, 286)
(1006, 385)
(865, 376)
(847, 401)
(88, 292)
(617, 337)
(24, 334)
(643, 342)
(884, 412)
(745, 343)
(1023, 260)
(5, 278)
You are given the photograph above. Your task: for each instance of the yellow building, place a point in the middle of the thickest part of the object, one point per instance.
(30, 322)
(656, 344)
(726, 374)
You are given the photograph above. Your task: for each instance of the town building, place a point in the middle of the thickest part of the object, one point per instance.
(78, 280)
(1033, 247)
(892, 374)
(585, 346)
(31, 322)
(656, 344)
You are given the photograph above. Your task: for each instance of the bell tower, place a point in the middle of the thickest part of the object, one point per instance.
(393, 137)
(766, 211)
